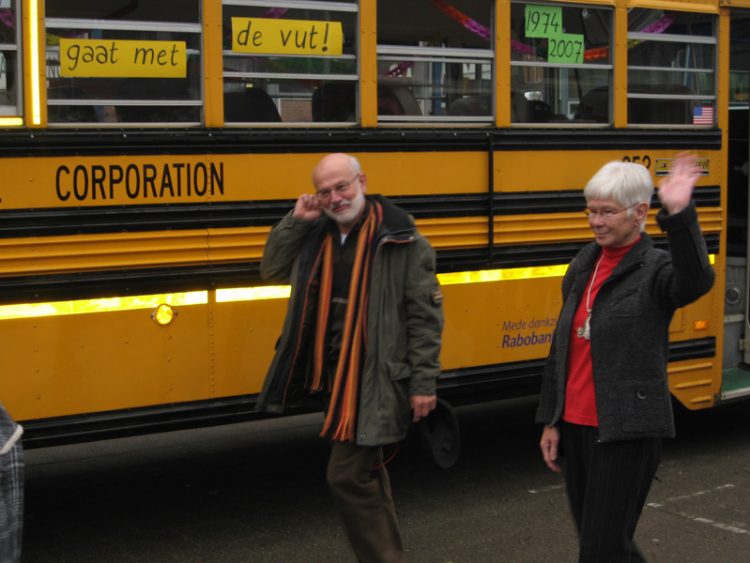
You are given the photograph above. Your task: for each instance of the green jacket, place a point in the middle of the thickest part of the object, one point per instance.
(404, 322)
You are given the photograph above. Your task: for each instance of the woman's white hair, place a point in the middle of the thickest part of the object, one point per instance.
(626, 183)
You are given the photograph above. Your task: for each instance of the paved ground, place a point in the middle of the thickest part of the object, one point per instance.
(256, 492)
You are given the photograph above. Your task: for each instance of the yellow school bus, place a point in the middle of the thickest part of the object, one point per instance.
(148, 147)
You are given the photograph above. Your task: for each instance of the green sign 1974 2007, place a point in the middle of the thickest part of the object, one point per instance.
(546, 22)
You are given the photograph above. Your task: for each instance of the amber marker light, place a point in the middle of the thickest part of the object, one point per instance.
(163, 314)
(700, 325)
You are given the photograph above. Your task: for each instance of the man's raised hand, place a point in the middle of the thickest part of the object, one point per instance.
(307, 208)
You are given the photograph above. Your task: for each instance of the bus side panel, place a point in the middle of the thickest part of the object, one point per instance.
(243, 339)
(499, 322)
(73, 364)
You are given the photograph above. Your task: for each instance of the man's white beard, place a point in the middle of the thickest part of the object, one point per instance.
(355, 207)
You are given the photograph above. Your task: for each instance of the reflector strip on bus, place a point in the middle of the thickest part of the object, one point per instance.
(259, 293)
(453, 278)
(504, 274)
(36, 105)
(254, 293)
(102, 305)
(11, 121)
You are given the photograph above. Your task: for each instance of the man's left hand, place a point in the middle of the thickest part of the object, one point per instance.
(421, 405)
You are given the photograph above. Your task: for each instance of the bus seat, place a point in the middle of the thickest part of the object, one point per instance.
(530, 111)
(678, 112)
(334, 101)
(397, 99)
(72, 113)
(471, 105)
(250, 105)
(517, 107)
(155, 89)
(539, 112)
(594, 106)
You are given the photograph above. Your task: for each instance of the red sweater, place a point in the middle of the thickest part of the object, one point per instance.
(580, 400)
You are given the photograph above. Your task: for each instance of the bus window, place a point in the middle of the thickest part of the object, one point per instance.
(671, 67)
(561, 64)
(435, 61)
(739, 135)
(10, 61)
(295, 65)
(739, 58)
(116, 62)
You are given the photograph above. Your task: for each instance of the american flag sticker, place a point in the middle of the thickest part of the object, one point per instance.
(703, 115)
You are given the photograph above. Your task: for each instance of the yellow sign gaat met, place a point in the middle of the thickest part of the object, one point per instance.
(287, 37)
(120, 58)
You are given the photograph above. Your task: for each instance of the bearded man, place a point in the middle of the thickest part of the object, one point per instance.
(362, 331)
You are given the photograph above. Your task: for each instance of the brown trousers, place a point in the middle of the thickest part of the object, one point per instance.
(361, 491)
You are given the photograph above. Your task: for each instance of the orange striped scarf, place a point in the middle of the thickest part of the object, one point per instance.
(341, 418)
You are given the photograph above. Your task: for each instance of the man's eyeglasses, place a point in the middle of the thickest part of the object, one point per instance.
(606, 213)
(339, 188)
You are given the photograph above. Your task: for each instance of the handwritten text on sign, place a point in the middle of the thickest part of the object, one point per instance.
(119, 58)
(565, 48)
(287, 37)
(546, 22)
(542, 21)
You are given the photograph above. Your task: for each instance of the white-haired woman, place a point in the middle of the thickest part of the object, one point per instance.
(605, 397)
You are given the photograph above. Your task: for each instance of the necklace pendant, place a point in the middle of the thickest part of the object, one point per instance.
(585, 330)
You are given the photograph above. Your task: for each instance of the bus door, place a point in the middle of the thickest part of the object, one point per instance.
(736, 357)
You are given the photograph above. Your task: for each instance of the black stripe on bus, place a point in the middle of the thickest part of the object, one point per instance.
(482, 383)
(132, 422)
(692, 349)
(519, 256)
(463, 386)
(92, 142)
(139, 218)
(86, 285)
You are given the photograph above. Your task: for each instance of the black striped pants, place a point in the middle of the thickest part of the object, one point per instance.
(607, 485)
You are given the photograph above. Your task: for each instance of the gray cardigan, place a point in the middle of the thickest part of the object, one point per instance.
(630, 329)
